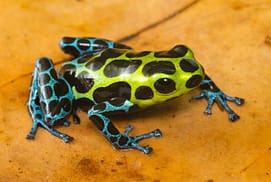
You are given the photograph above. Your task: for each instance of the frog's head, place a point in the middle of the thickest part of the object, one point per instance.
(173, 73)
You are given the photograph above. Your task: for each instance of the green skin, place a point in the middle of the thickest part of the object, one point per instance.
(180, 77)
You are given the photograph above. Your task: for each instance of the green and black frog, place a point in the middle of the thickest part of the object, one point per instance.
(105, 78)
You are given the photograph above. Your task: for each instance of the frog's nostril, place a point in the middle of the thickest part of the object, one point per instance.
(193, 81)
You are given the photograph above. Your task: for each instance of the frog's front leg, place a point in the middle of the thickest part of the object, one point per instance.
(98, 114)
(213, 94)
(50, 99)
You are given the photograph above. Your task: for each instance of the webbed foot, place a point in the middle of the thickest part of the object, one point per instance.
(221, 98)
(124, 141)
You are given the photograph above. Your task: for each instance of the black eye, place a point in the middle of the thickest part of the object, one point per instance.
(165, 85)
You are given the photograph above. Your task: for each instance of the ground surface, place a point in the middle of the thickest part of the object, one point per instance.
(229, 37)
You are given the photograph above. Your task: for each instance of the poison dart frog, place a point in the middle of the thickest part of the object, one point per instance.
(105, 77)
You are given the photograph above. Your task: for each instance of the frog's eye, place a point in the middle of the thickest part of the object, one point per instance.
(165, 85)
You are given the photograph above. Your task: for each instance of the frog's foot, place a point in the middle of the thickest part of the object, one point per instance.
(124, 141)
(31, 135)
(221, 99)
(99, 115)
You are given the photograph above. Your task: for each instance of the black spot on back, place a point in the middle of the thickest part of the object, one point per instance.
(193, 81)
(175, 52)
(100, 60)
(112, 53)
(189, 65)
(85, 57)
(84, 82)
(144, 93)
(118, 67)
(96, 63)
(115, 90)
(158, 67)
(68, 72)
(137, 54)
(165, 85)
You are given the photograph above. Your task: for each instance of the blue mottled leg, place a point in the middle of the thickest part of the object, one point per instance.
(77, 46)
(36, 111)
(98, 114)
(213, 94)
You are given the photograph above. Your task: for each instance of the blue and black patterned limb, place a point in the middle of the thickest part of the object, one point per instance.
(213, 94)
(77, 46)
(99, 115)
(50, 100)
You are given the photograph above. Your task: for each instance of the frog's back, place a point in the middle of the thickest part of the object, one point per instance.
(144, 78)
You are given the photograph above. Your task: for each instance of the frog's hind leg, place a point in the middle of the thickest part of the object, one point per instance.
(98, 114)
(77, 46)
(34, 103)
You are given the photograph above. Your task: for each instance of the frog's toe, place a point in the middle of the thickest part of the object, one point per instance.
(233, 116)
(125, 141)
(157, 133)
(30, 136)
(67, 138)
(144, 149)
(208, 111)
(147, 150)
(239, 101)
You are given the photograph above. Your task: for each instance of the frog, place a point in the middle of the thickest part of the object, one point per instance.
(104, 78)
